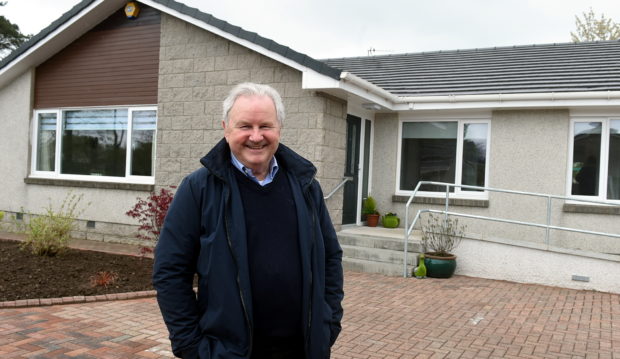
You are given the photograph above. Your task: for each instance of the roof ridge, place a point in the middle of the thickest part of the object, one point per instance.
(477, 49)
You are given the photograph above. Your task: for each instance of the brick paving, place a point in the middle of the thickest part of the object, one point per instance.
(385, 317)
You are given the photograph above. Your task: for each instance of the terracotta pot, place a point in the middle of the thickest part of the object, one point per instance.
(372, 220)
(439, 267)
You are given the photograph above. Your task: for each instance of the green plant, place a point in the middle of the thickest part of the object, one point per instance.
(390, 214)
(440, 235)
(369, 206)
(48, 234)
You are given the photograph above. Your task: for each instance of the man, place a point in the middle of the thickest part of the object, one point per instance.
(252, 224)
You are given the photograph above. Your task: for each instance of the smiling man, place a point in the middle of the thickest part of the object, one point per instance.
(252, 224)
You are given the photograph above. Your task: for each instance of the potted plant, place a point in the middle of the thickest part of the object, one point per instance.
(440, 235)
(369, 208)
(390, 220)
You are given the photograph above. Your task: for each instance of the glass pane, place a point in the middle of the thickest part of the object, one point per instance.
(94, 142)
(474, 155)
(613, 174)
(46, 142)
(428, 154)
(142, 138)
(586, 158)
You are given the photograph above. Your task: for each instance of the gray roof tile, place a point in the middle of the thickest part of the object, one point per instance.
(567, 67)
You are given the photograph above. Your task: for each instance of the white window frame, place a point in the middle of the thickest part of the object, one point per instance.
(56, 173)
(458, 192)
(604, 158)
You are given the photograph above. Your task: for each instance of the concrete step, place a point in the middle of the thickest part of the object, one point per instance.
(367, 266)
(377, 254)
(369, 241)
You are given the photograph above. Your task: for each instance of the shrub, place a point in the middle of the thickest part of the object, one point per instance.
(441, 235)
(49, 234)
(369, 206)
(103, 279)
(150, 214)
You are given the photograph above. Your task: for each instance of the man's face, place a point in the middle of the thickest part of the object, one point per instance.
(253, 132)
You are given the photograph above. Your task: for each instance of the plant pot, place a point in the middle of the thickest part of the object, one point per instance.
(372, 220)
(439, 267)
(391, 221)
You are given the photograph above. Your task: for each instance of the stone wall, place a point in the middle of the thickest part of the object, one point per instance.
(198, 69)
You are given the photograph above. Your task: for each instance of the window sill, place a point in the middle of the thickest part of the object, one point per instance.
(591, 209)
(89, 184)
(483, 203)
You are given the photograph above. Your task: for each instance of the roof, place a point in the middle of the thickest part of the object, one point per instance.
(567, 67)
(209, 19)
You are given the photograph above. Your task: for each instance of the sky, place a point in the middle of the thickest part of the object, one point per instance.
(347, 28)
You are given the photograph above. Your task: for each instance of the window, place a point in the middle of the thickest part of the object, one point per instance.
(595, 170)
(444, 151)
(111, 144)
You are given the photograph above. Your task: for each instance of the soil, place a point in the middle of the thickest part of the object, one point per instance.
(26, 276)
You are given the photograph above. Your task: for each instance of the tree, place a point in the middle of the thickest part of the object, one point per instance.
(10, 36)
(592, 29)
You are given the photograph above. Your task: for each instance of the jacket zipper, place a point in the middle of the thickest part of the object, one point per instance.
(307, 195)
(245, 309)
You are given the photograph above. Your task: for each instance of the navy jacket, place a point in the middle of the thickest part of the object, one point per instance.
(204, 233)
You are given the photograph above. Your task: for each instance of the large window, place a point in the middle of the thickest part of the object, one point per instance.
(107, 144)
(444, 151)
(595, 170)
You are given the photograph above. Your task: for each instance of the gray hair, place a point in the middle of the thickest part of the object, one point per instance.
(253, 89)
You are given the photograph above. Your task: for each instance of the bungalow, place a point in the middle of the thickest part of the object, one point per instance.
(114, 107)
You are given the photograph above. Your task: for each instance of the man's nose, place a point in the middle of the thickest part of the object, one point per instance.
(256, 135)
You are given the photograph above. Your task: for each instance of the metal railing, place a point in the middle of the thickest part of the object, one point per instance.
(344, 180)
(446, 212)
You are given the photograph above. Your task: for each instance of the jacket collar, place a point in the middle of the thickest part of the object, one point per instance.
(218, 162)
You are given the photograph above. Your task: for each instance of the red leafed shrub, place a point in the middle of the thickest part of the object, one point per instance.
(103, 279)
(150, 214)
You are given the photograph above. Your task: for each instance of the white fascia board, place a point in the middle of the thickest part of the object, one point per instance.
(350, 84)
(228, 36)
(59, 38)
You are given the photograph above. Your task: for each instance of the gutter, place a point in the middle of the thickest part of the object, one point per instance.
(542, 99)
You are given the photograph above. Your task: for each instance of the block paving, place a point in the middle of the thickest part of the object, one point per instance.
(385, 317)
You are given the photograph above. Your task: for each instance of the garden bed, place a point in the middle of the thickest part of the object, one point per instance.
(26, 276)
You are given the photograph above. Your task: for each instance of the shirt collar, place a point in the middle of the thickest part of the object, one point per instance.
(273, 169)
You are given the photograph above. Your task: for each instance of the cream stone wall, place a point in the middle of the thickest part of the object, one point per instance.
(198, 69)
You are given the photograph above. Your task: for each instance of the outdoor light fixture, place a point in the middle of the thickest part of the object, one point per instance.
(132, 10)
(371, 106)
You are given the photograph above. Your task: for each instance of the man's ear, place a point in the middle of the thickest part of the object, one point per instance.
(224, 124)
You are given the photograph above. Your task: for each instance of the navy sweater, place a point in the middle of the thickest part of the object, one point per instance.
(273, 255)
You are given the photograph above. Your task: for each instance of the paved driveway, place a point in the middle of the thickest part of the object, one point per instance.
(385, 317)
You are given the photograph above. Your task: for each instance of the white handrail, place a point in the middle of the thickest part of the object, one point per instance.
(547, 226)
(344, 180)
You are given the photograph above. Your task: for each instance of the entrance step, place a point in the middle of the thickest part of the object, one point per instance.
(377, 250)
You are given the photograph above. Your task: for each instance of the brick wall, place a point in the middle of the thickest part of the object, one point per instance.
(197, 69)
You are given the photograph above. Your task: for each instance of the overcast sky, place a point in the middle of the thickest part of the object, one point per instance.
(337, 28)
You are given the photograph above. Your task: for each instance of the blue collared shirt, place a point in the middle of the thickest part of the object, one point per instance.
(248, 171)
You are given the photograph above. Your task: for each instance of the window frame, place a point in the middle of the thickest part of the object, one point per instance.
(605, 121)
(458, 192)
(128, 178)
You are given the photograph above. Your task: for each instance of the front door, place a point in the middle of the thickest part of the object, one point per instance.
(350, 195)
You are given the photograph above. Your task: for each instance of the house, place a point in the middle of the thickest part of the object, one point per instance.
(114, 107)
